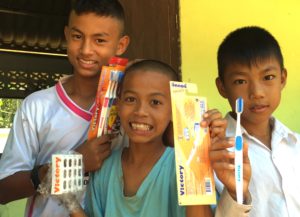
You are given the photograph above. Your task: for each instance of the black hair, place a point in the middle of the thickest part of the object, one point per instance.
(105, 8)
(247, 45)
(154, 65)
(149, 64)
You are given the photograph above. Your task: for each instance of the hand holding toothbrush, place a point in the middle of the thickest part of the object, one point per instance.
(222, 159)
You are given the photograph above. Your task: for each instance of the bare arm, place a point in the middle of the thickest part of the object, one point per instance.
(19, 185)
(198, 211)
(94, 152)
(78, 213)
(15, 187)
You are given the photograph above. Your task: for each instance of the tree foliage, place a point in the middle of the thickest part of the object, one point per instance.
(8, 109)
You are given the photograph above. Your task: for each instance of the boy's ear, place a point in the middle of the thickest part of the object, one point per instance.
(66, 32)
(123, 44)
(66, 29)
(221, 87)
(283, 78)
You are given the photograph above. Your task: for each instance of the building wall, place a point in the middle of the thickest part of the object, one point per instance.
(204, 24)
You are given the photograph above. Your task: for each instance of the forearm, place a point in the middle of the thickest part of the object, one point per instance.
(198, 211)
(227, 206)
(15, 187)
(78, 213)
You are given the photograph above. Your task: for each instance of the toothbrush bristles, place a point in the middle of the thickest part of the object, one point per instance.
(239, 104)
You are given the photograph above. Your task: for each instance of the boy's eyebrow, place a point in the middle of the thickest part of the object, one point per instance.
(237, 73)
(97, 34)
(269, 68)
(152, 94)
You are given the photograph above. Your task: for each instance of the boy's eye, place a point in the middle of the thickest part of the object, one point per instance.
(129, 99)
(76, 36)
(155, 102)
(269, 77)
(239, 81)
(100, 41)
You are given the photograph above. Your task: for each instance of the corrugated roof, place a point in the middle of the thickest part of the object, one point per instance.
(33, 25)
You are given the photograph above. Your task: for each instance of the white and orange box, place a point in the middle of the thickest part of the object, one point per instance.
(195, 182)
(67, 173)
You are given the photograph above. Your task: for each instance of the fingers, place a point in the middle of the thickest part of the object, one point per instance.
(103, 139)
(245, 153)
(220, 156)
(220, 144)
(217, 125)
(209, 116)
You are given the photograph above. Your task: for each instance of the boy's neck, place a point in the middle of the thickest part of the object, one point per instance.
(82, 91)
(140, 154)
(137, 163)
(262, 132)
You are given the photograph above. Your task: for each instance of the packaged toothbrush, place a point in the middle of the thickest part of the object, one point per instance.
(104, 120)
(67, 173)
(64, 180)
(195, 182)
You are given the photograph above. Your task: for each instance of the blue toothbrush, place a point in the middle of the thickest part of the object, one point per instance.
(238, 160)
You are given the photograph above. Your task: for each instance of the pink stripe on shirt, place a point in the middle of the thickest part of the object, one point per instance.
(87, 115)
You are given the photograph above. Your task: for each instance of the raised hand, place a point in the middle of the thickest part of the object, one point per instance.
(221, 158)
(94, 152)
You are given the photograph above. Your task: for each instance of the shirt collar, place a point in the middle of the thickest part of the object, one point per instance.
(279, 132)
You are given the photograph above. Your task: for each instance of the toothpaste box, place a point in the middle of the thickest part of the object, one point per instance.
(195, 182)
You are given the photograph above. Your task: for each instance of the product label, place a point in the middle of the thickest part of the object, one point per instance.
(194, 173)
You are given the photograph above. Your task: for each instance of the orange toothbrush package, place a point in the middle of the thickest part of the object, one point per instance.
(104, 120)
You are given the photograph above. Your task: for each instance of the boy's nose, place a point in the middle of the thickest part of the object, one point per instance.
(256, 91)
(141, 109)
(86, 47)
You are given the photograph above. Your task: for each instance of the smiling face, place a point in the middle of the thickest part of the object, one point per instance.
(92, 40)
(145, 106)
(260, 86)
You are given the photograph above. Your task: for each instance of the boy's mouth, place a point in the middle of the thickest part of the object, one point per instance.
(87, 62)
(258, 108)
(140, 126)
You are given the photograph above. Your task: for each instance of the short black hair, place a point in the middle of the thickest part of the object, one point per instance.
(150, 64)
(154, 65)
(247, 45)
(105, 8)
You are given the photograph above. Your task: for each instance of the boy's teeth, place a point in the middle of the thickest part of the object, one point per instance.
(136, 126)
(87, 61)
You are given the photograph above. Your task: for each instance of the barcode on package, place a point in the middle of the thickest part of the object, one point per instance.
(208, 186)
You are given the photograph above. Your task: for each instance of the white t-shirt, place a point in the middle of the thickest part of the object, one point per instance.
(48, 122)
(275, 180)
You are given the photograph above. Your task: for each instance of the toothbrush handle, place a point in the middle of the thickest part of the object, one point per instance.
(238, 161)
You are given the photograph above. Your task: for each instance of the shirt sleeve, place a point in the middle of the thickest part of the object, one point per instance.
(229, 207)
(21, 148)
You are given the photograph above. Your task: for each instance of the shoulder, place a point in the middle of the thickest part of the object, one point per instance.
(168, 157)
(39, 98)
(109, 165)
(283, 131)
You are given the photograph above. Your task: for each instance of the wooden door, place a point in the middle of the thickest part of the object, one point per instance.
(153, 26)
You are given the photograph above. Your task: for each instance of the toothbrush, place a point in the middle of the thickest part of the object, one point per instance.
(238, 160)
(116, 79)
(105, 105)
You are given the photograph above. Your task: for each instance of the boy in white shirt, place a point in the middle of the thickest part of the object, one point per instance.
(250, 65)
